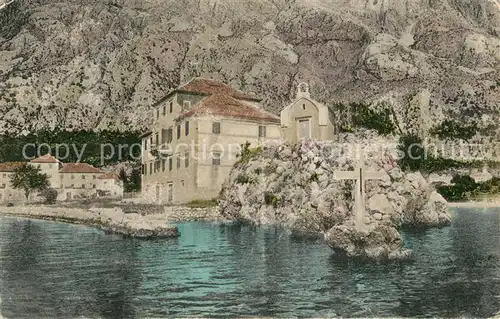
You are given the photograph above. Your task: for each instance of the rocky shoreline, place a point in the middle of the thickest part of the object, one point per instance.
(296, 186)
(110, 220)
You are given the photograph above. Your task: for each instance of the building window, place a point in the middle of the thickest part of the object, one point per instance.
(145, 144)
(83, 176)
(178, 131)
(170, 163)
(72, 176)
(157, 139)
(170, 135)
(164, 110)
(216, 128)
(83, 185)
(186, 159)
(93, 185)
(163, 136)
(157, 113)
(72, 186)
(150, 168)
(182, 182)
(303, 106)
(145, 169)
(186, 128)
(171, 107)
(178, 162)
(163, 165)
(216, 158)
(50, 165)
(186, 104)
(262, 131)
(93, 177)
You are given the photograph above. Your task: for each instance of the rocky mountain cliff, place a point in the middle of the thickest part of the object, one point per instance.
(103, 63)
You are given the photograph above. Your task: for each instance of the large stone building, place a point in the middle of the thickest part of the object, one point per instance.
(71, 180)
(79, 180)
(197, 134)
(110, 185)
(7, 193)
(49, 165)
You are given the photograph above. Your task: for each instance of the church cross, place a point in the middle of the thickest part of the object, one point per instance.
(360, 175)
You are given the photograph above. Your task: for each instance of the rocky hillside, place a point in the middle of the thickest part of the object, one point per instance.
(101, 63)
(295, 186)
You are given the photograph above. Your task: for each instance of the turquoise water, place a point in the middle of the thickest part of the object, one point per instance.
(60, 270)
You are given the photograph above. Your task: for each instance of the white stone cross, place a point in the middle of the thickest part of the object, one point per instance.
(360, 175)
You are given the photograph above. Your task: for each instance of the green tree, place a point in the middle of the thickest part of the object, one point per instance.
(134, 183)
(49, 194)
(451, 129)
(360, 115)
(463, 187)
(412, 151)
(122, 175)
(29, 178)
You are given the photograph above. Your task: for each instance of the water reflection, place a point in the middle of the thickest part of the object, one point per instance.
(457, 268)
(59, 270)
(66, 271)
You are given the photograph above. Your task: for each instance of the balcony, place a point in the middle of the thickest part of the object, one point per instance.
(163, 149)
(153, 149)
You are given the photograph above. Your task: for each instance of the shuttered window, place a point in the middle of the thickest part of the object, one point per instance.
(216, 128)
(163, 136)
(216, 158)
(262, 131)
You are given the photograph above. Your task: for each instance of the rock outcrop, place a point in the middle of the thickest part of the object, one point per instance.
(295, 186)
(102, 64)
(133, 225)
(110, 220)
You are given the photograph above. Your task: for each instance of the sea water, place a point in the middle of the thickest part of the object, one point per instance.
(50, 269)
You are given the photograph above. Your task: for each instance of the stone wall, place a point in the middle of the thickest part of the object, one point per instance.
(182, 213)
(110, 220)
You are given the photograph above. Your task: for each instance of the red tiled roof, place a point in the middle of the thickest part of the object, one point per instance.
(47, 158)
(79, 168)
(223, 105)
(210, 87)
(10, 166)
(109, 176)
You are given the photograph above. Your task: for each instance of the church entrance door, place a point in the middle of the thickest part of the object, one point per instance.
(304, 128)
